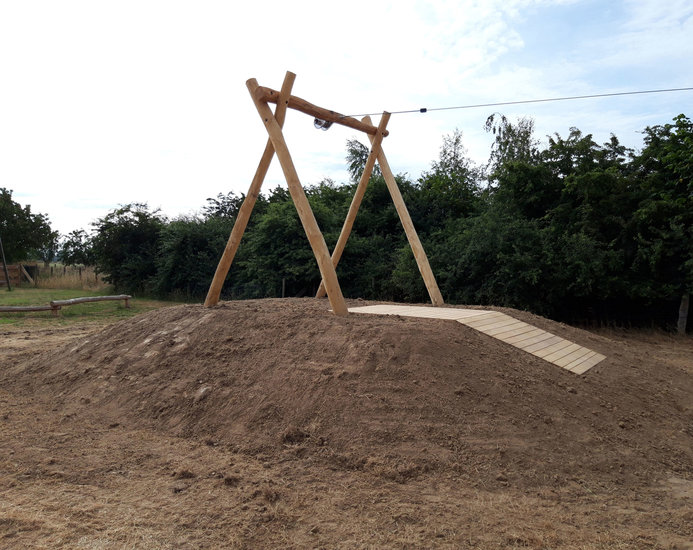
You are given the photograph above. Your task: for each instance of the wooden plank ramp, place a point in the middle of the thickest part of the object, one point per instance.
(551, 348)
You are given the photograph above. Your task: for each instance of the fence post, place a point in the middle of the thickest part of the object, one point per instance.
(4, 266)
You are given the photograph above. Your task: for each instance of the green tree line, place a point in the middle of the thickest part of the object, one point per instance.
(25, 234)
(573, 230)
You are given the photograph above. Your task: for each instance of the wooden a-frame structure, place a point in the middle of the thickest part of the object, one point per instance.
(262, 96)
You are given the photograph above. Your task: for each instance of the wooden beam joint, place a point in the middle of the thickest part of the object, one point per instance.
(268, 95)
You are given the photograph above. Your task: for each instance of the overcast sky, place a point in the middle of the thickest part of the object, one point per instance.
(107, 103)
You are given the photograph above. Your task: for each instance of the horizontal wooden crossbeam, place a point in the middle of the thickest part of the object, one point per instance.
(268, 95)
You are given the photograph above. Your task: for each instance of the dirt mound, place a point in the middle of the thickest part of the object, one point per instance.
(396, 396)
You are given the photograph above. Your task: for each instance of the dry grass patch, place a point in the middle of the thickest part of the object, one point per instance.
(71, 277)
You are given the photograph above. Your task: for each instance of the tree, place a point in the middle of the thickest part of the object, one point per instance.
(277, 248)
(189, 253)
(50, 248)
(517, 175)
(495, 258)
(512, 143)
(223, 206)
(664, 217)
(126, 245)
(357, 156)
(23, 233)
(449, 190)
(77, 248)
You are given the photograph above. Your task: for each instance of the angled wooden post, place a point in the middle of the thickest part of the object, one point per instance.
(262, 96)
(26, 274)
(358, 195)
(405, 218)
(310, 225)
(243, 216)
(4, 266)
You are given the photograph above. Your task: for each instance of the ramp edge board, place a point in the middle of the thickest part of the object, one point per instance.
(523, 336)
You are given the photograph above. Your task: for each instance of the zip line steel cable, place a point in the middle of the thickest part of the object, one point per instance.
(526, 101)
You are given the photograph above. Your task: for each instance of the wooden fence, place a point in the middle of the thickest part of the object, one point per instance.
(18, 274)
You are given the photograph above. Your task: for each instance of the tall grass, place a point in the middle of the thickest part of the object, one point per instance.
(72, 277)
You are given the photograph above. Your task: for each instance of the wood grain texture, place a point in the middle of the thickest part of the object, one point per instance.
(504, 327)
(412, 236)
(536, 340)
(20, 309)
(246, 209)
(86, 299)
(587, 364)
(513, 332)
(542, 344)
(265, 95)
(358, 196)
(298, 195)
(489, 321)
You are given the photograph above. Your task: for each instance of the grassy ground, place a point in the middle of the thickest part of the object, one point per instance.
(70, 277)
(95, 311)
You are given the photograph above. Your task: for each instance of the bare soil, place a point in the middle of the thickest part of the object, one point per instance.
(273, 423)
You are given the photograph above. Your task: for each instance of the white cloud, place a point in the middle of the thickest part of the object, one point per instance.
(654, 33)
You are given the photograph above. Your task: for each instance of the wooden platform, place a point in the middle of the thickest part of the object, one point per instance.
(536, 341)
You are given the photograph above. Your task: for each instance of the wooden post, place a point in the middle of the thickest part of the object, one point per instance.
(358, 195)
(310, 225)
(26, 274)
(4, 266)
(414, 242)
(246, 209)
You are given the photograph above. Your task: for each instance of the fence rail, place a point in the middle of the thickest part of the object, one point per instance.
(16, 309)
(74, 301)
(55, 305)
